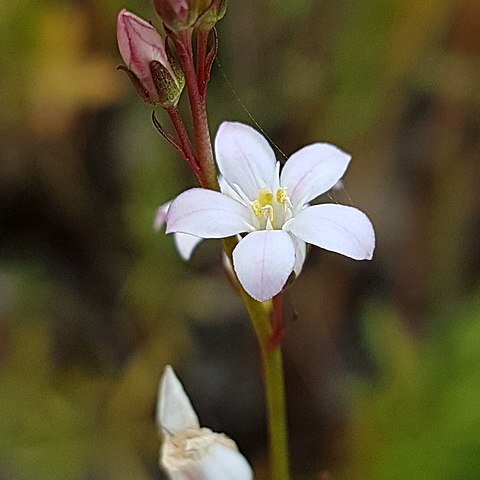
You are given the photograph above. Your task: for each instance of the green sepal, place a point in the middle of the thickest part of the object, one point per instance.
(168, 88)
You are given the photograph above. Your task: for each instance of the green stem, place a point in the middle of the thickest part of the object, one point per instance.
(274, 388)
(273, 377)
(277, 425)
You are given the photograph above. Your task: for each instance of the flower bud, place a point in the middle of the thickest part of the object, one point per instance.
(177, 14)
(210, 13)
(153, 72)
(188, 451)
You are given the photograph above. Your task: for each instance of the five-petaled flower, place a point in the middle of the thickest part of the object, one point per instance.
(190, 451)
(269, 210)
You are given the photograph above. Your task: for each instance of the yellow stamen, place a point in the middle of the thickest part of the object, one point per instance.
(281, 195)
(257, 208)
(267, 211)
(267, 202)
(265, 197)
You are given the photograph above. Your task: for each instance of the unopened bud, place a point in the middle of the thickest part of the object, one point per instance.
(154, 73)
(210, 13)
(180, 15)
(177, 15)
(189, 451)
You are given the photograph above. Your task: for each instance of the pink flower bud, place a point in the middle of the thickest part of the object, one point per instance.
(148, 65)
(211, 11)
(177, 14)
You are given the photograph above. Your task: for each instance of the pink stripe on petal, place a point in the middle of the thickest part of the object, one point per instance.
(263, 261)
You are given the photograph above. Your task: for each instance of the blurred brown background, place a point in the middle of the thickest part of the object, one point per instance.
(382, 358)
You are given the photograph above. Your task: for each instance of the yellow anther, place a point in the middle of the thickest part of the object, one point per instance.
(257, 208)
(265, 197)
(281, 195)
(267, 203)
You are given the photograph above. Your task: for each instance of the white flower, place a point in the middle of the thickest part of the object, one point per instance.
(271, 208)
(188, 451)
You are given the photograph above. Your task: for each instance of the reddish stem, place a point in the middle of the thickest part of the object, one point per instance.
(199, 113)
(167, 136)
(278, 330)
(202, 73)
(188, 153)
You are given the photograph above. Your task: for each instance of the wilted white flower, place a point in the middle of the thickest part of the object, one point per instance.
(191, 452)
(270, 210)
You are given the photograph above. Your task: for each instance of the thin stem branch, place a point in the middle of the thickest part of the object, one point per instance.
(167, 136)
(183, 137)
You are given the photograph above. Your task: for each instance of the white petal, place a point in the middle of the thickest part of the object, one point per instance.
(263, 261)
(300, 254)
(186, 244)
(160, 216)
(313, 170)
(174, 410)
(228, 190)
(203, 455)
(206, 214)
(224, 463)
(244, 157)
(338, 228)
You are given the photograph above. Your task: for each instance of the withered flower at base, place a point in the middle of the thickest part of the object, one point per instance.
(191, 452)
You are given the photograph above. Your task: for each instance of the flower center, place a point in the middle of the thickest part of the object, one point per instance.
(271, 209)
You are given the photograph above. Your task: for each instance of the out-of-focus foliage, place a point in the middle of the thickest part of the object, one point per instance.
(93, 302)
(420, 418)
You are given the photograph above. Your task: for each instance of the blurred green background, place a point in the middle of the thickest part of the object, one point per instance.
(382, 358)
